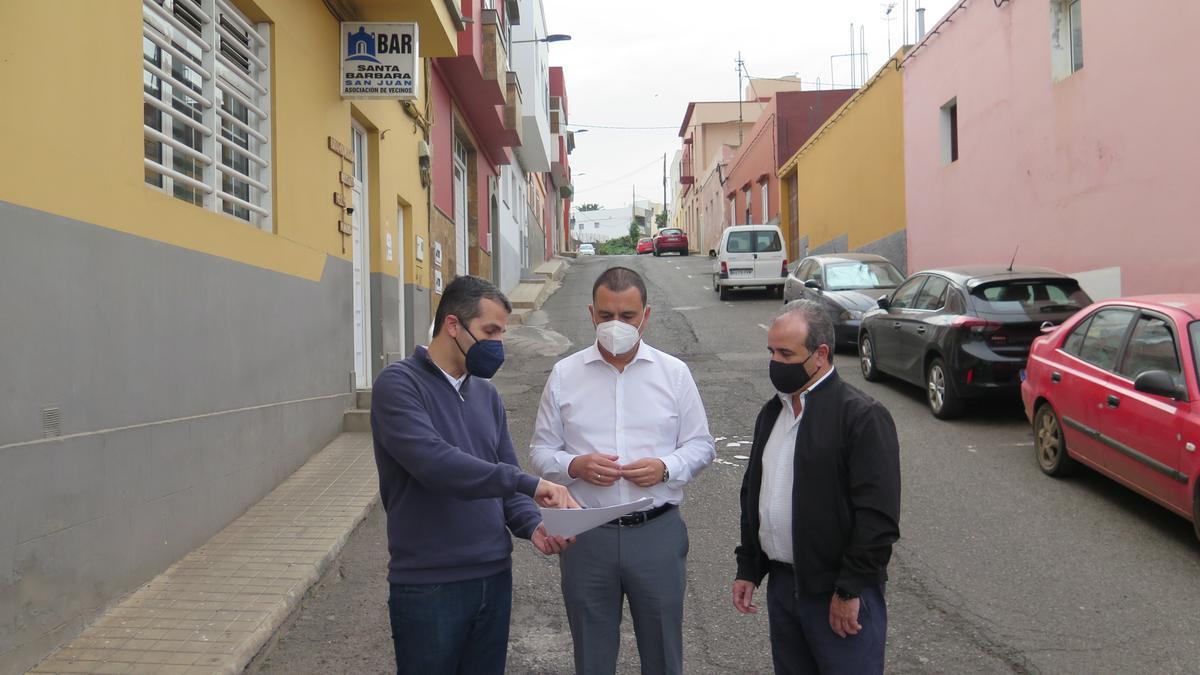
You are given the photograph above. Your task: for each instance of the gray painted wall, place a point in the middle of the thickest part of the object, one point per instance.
(894, 247)
(385, 321)
(417, 301)
(189, 387)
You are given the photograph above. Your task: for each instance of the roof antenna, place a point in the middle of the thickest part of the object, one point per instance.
(1014, 258)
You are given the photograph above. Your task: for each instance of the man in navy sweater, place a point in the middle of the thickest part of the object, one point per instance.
(453, 492)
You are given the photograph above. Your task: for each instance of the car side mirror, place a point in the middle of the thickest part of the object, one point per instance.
(883, 302)
(1158, 383)
(712, 253)
(813, 284)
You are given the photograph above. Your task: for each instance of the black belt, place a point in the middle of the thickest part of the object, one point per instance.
(639, 517)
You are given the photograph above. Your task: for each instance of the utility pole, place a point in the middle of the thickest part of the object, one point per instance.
(664, 190)
(740, 68)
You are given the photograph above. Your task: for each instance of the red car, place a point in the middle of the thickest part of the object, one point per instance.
(645, 245)
(1115, 388)
(670, 239)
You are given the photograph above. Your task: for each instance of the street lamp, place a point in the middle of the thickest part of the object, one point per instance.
(553, 37)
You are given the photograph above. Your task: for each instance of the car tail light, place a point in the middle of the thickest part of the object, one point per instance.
(970, 375)
(724, 267)
(783, 271)
(977, 327)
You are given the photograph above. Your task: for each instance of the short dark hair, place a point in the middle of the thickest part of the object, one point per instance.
(816, 317)
(617, 279)
(461, 298)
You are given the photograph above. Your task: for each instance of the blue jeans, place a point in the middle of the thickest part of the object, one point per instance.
(802, 641)
(458, 627)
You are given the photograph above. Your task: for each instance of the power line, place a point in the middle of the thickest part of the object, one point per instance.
(624, 127)
(624, 176)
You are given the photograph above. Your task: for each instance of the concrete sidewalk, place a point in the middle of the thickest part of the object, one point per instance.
(213, 610)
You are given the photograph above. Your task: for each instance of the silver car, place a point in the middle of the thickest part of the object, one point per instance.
(848, 284)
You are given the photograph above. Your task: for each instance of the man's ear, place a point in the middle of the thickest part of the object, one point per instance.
(592, 313)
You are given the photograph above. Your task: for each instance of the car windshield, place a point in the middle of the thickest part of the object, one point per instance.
(669, 233)
(753, 241)
(1035, 297)
(585, 247)
(644, 240)
(861, 275)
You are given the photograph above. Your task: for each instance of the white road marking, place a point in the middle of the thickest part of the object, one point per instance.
(678, 267)
(764, 327)
(740, 457)
(704, 286)
(689, 276)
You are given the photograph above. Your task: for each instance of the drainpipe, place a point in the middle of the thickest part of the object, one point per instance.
(920, 23)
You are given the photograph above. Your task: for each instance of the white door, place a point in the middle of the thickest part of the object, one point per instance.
(460, 208)
(361, 253)
(400, 260)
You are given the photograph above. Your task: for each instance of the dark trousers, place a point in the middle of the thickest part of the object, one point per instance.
(646, 563)
(459, 627)
(803, 642)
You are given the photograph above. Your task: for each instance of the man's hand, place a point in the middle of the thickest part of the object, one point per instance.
(644, 472)
(743, 597)
(547, 544)
(553, 496)
(843, 616)
(596, 468)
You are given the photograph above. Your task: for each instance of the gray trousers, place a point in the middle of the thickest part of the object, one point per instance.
(646, 563)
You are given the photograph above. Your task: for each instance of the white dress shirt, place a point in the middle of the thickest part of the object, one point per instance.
(775, 495)
(652, 409)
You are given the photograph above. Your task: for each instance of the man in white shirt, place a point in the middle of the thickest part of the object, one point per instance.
(619, 421)
(820, 506)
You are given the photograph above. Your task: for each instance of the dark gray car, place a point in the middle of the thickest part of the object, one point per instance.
(848, 284)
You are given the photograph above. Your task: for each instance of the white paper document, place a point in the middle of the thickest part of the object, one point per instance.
(570, 522)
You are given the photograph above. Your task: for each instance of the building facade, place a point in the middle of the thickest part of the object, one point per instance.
(843, 190)
(559, 189)
(1018, 134)
(707, 126)
(790, 117)
(182, 332)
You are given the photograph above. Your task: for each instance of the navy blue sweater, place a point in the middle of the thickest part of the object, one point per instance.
(448, 475)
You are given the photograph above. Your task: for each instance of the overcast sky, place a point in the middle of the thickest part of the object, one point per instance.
(637, 63)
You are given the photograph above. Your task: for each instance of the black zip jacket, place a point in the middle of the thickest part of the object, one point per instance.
(845, 492)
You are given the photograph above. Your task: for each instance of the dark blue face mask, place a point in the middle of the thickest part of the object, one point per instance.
(484, 357)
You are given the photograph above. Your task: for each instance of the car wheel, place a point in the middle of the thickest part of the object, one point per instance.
(686, 252)
(656, 253)
(944, 402)
(866, 359)
(724, 291)
(716, 286)
(1049, 445)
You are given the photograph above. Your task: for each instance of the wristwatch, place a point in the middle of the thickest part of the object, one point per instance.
(844, 594)
(666, 473)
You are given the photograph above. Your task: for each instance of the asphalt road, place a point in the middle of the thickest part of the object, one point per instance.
(999, 569)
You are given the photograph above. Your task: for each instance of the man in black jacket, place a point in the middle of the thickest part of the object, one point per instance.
(820, 506)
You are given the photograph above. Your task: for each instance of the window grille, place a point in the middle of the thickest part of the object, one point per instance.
(206, 106)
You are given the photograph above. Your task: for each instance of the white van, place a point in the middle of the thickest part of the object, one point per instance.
(750, 255)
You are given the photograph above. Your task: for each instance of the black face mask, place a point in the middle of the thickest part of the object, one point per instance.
(789, 378)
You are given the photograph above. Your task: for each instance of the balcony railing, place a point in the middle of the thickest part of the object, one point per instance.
(512, 105)
(495, 56)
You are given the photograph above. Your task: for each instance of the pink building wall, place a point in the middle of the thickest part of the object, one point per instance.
(1094, 172)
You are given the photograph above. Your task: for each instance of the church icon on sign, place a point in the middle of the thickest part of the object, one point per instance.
(360, 46)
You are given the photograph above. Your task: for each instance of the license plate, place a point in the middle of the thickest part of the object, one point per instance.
(740, 273)
(1022, 374)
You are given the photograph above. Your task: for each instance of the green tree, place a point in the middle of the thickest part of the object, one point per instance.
(661, 219)
(635, 233)
(590, 206)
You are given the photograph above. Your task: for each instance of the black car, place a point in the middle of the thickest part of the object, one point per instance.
(848, 284)
(964, 332)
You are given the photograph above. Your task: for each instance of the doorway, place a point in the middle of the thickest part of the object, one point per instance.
(361, 256)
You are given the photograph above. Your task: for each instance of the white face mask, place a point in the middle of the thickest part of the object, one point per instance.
(617, 337)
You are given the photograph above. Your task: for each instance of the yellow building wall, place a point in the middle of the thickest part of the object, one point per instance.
(74, 145)
(850, 174)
